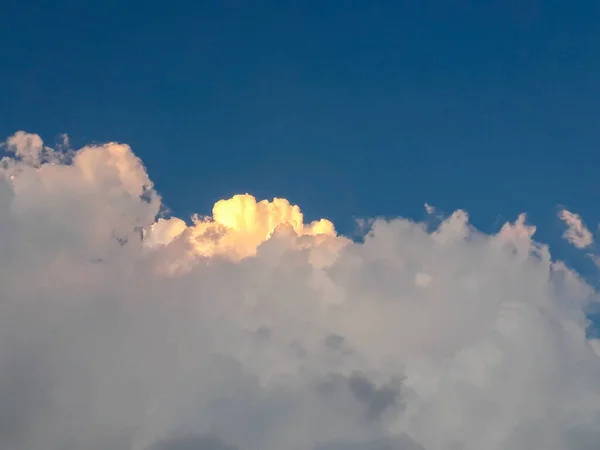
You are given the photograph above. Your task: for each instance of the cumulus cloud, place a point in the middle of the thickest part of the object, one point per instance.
(252, 329)
(577, 233)
(193, 442)
(238, 226)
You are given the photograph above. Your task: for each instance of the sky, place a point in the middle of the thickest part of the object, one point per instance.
(299, 225)
(351, 109)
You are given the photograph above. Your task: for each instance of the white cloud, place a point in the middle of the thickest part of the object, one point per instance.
(65, 141)
(423, 279)
(26, 146)
(278, 337)
(577, 233)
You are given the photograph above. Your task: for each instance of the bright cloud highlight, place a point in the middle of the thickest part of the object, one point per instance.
(238, 226)
(251, 329)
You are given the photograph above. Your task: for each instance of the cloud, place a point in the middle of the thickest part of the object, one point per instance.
(238, 226)
(193, 442)
(28, 147)
(401, 442)
(252, 329)
(577, 233)
(594, 258)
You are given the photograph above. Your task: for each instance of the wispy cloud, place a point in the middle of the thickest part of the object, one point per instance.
(577, 233)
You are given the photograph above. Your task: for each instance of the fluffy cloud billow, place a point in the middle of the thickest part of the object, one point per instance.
(251, 329)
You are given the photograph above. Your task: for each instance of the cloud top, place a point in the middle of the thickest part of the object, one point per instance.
(238, 226)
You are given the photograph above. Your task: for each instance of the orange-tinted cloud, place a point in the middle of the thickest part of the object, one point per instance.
(237, 227)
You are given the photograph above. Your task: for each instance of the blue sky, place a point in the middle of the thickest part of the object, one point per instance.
(347, 108)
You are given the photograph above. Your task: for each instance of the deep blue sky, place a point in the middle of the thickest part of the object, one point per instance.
(348, 108)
